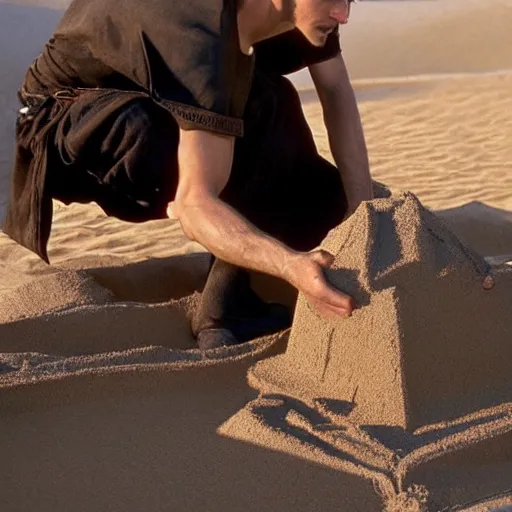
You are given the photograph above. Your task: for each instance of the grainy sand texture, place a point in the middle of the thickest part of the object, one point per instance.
(408, 384)
(421, 305)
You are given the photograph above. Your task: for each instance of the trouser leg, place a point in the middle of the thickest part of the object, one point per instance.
(126, 160)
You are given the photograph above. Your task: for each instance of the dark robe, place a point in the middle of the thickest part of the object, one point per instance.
(183, 56)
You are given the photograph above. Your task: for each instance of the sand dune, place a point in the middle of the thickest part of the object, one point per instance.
(488, 230)
(383, 39)
(427, 37)
(447, 141)
(391, 38)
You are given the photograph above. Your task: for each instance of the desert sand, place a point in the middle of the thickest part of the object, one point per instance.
(105, 402)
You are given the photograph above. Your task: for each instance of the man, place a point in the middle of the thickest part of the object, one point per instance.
(136, 104)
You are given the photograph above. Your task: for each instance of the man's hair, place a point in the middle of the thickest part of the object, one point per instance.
(290, 8)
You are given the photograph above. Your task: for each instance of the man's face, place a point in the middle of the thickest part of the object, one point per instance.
(316, 19)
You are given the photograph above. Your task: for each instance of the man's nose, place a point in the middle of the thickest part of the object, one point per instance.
(341, 12)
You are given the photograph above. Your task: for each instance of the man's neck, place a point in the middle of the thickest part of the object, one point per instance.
(259, 20)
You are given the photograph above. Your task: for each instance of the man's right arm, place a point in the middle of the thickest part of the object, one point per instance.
(205, 161)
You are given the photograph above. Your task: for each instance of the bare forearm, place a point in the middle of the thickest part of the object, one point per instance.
(343, 123)
(348, 146)
(230, 237)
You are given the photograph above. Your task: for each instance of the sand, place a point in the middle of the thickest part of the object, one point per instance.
(407, 392)
(105, 403)
(412, 354)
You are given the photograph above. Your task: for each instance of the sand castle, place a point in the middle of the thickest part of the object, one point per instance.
(429, 341)
(418, 380)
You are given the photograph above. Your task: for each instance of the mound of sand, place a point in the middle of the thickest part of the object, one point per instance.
(414, 391)
(485, 229)
(98, 321)
(51, 294)
(427, 343)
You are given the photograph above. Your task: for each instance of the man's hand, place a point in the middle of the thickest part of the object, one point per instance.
(305, 272)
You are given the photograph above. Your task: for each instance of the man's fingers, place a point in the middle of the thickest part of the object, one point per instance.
(336, 304)
(326, 292)
(334, 297)
(327, 311)
(338, 298)
(323, 258)
(327, 300)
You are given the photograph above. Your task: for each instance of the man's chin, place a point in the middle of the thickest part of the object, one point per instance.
(317, 38)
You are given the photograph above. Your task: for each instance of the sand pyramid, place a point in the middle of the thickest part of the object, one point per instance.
(431, 339)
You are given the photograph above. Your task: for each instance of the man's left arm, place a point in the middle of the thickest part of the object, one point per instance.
(343, 123)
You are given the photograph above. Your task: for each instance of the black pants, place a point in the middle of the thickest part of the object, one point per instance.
(127, 163)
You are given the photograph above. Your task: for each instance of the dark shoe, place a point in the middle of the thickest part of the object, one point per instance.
(229, 309)
(215, 338)
(240, 330)
(275, 318)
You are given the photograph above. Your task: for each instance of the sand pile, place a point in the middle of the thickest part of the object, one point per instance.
(427, 343)
(414, 391)
(51, 294)
(70, 314)
(485, 229)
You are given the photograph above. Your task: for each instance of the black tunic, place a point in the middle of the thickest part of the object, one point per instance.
(184, 56)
